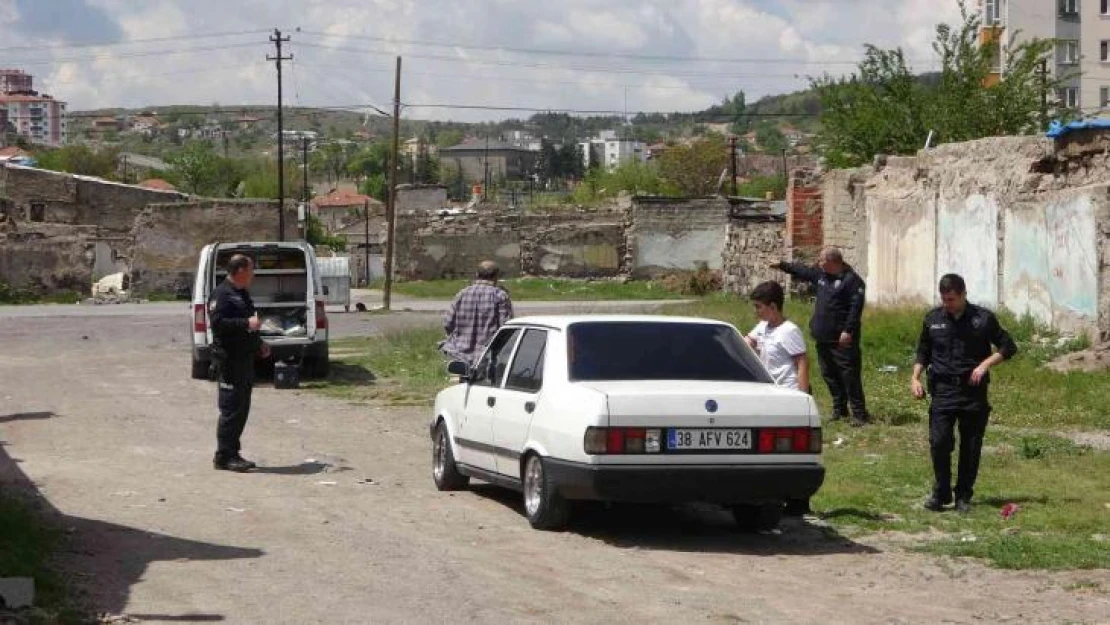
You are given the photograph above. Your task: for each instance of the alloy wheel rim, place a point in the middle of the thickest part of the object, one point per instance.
(533, 478)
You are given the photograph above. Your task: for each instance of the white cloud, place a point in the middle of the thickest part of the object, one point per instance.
(779, 41)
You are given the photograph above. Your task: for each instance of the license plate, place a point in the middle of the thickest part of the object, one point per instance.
(720, 438)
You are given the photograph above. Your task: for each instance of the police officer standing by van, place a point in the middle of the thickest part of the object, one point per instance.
(955, 347)
(236, 342)
(836, 328)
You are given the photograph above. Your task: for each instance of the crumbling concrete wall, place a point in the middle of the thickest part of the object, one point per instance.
(38, 195)
(48, 258)
(167, 238)
(669, 235)
(420, 198)
(1023, 219)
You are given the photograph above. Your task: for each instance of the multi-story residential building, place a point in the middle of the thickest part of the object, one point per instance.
(39, 118)
(15, 81)
(609, 151)
(1081, 30)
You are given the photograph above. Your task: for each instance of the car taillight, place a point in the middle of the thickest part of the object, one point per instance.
(789, 441)
(200, 322)
(611, 441)
(321, 316)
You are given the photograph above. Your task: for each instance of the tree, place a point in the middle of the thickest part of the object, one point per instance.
(694, 170)
(885, 109)
(199, 170)
(448, 138)
(770, 138)
(80, 160)
(316, 234)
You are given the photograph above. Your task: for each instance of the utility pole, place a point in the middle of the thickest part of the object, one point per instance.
(391, 207)
(732, 162)
(304, 162)
(785, 173)
(1044, 94)
(277, 40)
(485, 175)
(366, 245)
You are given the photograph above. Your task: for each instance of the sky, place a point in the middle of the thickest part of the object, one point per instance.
(579, 55)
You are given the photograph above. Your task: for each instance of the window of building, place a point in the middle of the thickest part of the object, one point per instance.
(993, 12)
(1104, 50)
(1069, 52)
(1104, 97)
(1069, 97)
(38, 211)
(1069, 7)
(1104, 9)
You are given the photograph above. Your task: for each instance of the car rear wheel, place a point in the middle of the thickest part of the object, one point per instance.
(757, 517)
(543, 505)
(444, 470)
(201, 369)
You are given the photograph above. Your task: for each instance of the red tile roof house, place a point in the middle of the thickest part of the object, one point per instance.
(339, 208)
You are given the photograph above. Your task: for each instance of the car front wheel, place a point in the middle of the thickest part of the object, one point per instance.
(543, 505)
(444, 470)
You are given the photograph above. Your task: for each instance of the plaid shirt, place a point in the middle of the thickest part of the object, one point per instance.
(477, 313)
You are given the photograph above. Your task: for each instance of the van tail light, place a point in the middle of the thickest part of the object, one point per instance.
(321, 316)
(200, 321)
(613, 441)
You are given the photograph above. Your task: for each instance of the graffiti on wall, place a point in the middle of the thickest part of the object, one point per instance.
(1051, 262)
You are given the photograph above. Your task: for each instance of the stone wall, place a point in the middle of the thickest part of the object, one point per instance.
(48, 258)
(1023, 219)
(420, 197)
(37, 195)
(755, 241)
(669, 235)
(566, 244)
(167, 238)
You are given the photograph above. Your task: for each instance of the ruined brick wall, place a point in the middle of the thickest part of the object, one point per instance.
(673, 235)
(48, 258)
(37, 195)
(566, 244)
(753, 244)
(167, 238)
(804, 216)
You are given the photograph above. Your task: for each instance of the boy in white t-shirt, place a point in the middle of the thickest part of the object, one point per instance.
(779, 342)
(782, 348)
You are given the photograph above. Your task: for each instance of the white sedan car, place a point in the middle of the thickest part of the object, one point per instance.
(627, 408)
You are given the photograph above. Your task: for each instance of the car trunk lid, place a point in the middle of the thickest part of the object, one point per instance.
(685, 403)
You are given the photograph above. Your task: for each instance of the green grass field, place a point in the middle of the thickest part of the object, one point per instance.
(879, 475)
(543, 289)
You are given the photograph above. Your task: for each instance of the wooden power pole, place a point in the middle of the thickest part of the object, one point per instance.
(391, 206)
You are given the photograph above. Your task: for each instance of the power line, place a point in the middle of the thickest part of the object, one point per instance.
(128, 55)
(455, 59)
(570, 53)
(136, 41)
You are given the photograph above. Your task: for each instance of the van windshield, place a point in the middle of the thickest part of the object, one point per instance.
(637, 350)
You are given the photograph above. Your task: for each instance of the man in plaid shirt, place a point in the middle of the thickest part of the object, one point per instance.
(478, 311)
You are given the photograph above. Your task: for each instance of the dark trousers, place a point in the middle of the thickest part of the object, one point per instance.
(942, 440)
(236, 380)
(842, 369)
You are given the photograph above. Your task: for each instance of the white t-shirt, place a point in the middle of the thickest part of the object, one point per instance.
(778, 347)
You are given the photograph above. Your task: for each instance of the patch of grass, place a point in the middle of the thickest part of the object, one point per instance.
(27, 545)
(404, 368)
(10, 295)
(543, 289)
(877, 478)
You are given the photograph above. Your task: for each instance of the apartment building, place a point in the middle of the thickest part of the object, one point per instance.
(39, 118)
(608, 151)
(1081, 30)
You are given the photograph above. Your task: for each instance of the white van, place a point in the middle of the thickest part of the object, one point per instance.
(289, 296)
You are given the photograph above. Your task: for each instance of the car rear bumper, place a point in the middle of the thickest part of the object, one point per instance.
(721, 484)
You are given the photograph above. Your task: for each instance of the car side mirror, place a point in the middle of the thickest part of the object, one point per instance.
(459, 368)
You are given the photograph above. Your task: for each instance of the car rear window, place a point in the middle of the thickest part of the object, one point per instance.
(660, 351)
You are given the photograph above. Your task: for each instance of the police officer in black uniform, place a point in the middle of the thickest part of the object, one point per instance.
(236, 342)
(835, 327)
(955, 346)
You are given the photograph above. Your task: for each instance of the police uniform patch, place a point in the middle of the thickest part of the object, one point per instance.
(977, 323)
(212, 306)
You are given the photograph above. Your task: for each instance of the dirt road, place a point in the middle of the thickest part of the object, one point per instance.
(343, 525)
